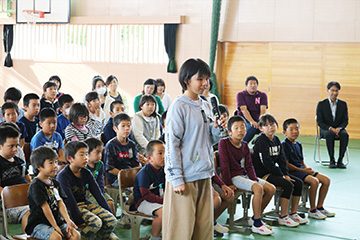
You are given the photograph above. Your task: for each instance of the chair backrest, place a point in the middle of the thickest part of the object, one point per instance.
(126, 179)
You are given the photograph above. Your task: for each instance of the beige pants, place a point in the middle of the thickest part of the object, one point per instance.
(191, 215)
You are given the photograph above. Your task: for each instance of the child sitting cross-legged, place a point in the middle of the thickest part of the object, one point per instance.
(150, 184)
(48, 218)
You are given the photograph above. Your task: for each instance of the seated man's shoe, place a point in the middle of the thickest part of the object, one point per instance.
(340, 165)
(332, 164)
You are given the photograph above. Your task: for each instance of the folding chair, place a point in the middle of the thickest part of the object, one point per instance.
(126, 179)
(317, 150)
(11, 197)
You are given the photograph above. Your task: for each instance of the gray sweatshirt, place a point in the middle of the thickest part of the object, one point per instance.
(188, 134)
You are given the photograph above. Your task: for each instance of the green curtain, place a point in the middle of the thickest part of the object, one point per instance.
(170, 45)
(215, 22)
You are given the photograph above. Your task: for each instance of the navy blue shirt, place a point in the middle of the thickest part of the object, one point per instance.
(108, 132)
(120, 157)
(75, 189)
(30, 126)
(99, 174)
(293, 153)
(148, 183)
(62, 123)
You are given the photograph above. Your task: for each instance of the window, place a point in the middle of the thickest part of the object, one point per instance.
(90, 43)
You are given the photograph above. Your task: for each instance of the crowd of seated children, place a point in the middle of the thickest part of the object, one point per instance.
(238, 172)
(149, 88)
(271, 165)
(63, 120)
(49, 99)
(31, 105)
(12, 95)
(146, 123)
(97, 168)
(13, 170)
(298, 168)
(120, 152)
(149, 186)
(47, 136)
(49, 218)
(10, 113)
(109, 133)
(95, 221)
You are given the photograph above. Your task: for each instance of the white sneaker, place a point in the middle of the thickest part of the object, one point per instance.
(251, 222)
(317, 215)
(220, 228)
(298, 219)
(327, 213)
(287, 221)
(263, 230)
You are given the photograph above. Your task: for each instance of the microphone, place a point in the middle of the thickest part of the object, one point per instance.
(216, 111)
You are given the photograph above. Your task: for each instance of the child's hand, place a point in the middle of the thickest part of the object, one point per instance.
(288, 178)
(180, 189)
(58, 230)
(228, 192)
(70, 225)
(143, 160)
(233, 187)
(220, 122)
(309, 171)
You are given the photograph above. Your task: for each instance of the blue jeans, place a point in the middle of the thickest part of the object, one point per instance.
(250, 132)
(43, 231)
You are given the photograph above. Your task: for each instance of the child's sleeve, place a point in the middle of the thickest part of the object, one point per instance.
(249, 167)
(136, 103)
(224, 162)
(175, 128)
(283, 162)
(134, 160)
(69, 133)
(161, 106)
(100, 178)
(110, 157)
(138, 131)
(95, 190)
(70, 201)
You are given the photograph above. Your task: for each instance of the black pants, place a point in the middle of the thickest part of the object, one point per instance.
(330, 143)
(289, 188)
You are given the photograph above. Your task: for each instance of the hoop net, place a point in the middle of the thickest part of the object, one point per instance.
(32, 17)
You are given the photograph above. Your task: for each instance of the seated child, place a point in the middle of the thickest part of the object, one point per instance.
(63, 120)
(298, 168)
(120, 152)
(56, 79)
(31, 103)
(224, 112)
(238, 172)
(10, 112)
(149, 186)
(47, 136)
(12, 170)
(95, 111)
(13, 95)
(270, 164)
(49, 99)
(95, 221)
(96, 167)
(116, 107)
(79, 129)
(49, 218)
(146, 123)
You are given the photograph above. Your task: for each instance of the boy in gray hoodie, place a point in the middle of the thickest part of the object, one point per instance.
(188, 202)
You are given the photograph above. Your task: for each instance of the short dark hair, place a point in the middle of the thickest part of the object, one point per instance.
(211, 84)
(112, 105)
(191, 67)
(40, 155)
(65, 98)
(96, 79)
(160, 82)
(93, 143)
(78, 110)
(163, 117)
(109, 79)
(119, 118)
(150, 146)
(28, 97)
(8, 131)
(56, 78)
(147, 98)
(48, 85)
(12, 94)
(71, 148)
(234, 119)
(9, 105)
(223, 109)
(251, 78)
(149, 81)
(289, 121)
(46, 113)
(91, 96)
(267, 118)
(333, 83)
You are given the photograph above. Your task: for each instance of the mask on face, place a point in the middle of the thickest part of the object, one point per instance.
(101, 91)
(67, 111)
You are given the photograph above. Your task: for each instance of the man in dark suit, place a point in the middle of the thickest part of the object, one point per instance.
(332, 118)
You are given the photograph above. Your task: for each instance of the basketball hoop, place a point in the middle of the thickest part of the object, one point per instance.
(33, 16)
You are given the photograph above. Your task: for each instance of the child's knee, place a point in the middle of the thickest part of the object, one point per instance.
(257, 189)
(158, 213)
(75, 235)
(269, 189)
(314, 182)
(326, 181)
(55, 236)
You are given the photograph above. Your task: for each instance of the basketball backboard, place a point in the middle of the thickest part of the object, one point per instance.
(43, 11)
